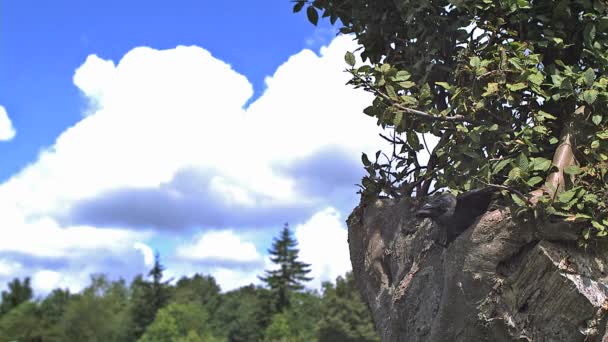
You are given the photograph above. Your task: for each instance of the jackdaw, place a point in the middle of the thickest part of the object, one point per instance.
(455, 214)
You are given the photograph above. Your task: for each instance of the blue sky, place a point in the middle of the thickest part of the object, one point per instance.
(196, 128)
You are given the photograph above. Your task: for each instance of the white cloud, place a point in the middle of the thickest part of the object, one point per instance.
(9, 267)
(156, 112)
(46, 280)
(323, 244)
(146, 252)
(7, 132)
(219, 246)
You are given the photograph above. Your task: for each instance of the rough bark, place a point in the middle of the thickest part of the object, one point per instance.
(501, 280)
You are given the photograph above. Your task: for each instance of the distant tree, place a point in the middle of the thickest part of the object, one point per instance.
(291, 272)
(146, 299)
(244, 314)
(159, 291)
(279, 329)
(200, 290)
(22, 324)
(97, 314)
(298, 323)
(18, 292)
(175, 322)
(344, 315)
(52, 309)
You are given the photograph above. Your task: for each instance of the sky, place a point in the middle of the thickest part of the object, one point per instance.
(191, 128)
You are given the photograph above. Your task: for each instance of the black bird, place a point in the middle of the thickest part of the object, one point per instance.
(455, 214)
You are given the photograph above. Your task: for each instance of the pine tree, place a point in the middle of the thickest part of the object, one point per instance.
(147, 298)
(291, 273)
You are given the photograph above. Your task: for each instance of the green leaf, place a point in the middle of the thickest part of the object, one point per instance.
(586, 232)
(401, 76)
(590, 96)
(517, 86)
(365, 160)
(312, 15)
(598, 225)
(349, 57)
(536, 78)
(522, 161)
(475, 62)
(398, 118)
(567, 196)
(490, 89)
(595, 144)
(408, 100)
(597, 119)
(557, 80)
(406, 84)
(515, 173)
(573, 170)
(501, 165)
(546, 115)
(589, 77)
(370, 110)
(517, 200)
(444, 85)
(516, 63)
(541, 164)
(298, 6)
(602, 135)
(534, 180)
(390, 91)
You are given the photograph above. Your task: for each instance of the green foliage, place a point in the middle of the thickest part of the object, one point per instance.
(18, 292)
(102, 301)
(244, 314)
(279, 329)
(498, 97)
(200, 290)
(291, 272)
(344, 315)
(146, 299)
(187, 322)
(52, 309)
(298, 322)
(21, 323)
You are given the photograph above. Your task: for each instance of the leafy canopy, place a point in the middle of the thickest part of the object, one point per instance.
(514, 92)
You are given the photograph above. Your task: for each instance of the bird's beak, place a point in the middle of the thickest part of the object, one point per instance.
(427, 210)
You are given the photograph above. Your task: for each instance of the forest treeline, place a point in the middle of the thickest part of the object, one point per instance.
(192, 309)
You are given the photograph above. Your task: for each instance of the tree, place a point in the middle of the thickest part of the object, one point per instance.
(99, 313)
(344, 315)
(179, 321)
(299, 321)
(291, 272)
(200, 290)
(146, 299)
(514, 92)
(52, 309)
(243, 314)
(21, 323)
(18, 292)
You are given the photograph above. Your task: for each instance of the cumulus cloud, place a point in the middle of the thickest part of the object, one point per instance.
(323, 244)
(221, 248)
(146, 252)
(166, 144)
(7, 132)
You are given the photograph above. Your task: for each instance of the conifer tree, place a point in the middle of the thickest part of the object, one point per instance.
(291, 274)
